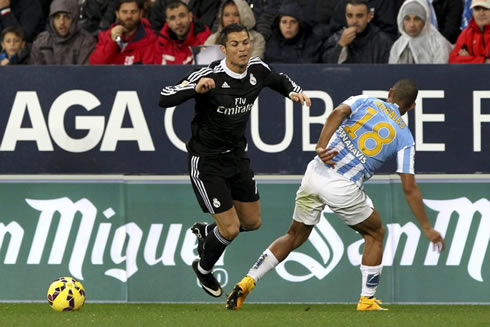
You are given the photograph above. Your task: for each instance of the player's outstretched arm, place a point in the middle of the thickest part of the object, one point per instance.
(414, 199)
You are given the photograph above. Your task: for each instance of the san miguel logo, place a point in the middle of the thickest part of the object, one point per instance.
(331, 248)
(118, 248)
(123, 250)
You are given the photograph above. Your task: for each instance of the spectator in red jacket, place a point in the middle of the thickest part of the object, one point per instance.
(129, 41)
(473, 45)
(178, 35)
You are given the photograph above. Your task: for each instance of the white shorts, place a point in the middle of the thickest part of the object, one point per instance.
(324, 186)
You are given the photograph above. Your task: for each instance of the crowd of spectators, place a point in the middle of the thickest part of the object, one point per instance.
(163, 32)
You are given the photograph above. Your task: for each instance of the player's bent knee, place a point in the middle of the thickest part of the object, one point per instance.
(230, 232)
(252, 225)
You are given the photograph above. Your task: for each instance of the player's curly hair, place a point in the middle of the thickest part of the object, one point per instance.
(405, 92)
(232, 28)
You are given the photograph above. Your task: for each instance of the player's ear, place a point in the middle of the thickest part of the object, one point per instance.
(223, 49)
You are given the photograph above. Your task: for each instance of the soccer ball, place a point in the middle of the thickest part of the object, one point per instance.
(66, 294)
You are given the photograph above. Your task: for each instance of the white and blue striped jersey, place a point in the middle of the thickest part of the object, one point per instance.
(372, 134)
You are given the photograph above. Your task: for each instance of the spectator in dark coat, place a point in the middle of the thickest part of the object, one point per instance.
(292, 39)
(448, 13)
(315, 13)
(361, 41)
(384, 16)
(98, 15)
(26, 13)
(64, 42)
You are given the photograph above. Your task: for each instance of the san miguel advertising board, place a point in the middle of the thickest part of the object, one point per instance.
(129, 241)
(94, 120)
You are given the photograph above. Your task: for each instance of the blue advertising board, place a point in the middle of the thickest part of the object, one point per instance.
(94, 120)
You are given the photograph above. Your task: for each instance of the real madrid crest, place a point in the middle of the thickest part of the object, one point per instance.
(253, 80)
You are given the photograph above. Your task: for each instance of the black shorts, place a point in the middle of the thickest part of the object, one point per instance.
(218, 180)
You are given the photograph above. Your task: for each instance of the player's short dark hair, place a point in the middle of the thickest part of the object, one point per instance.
(357, 2)
(405, 92)
(232, 28)
(139, 3)
(16, 29)
(176, 4)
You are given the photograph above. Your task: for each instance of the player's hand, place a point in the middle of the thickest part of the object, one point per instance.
(301, 98)
(4, 62)
(326, 155)
(436, 239)
(116, 31)
(205, 84)
(348, 35)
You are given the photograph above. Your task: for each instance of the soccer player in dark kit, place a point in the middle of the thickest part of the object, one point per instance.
(219, 167)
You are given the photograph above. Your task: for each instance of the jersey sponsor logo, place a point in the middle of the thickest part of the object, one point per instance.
(240, 107)
(225, 85)
(350, 145)
(253, 80)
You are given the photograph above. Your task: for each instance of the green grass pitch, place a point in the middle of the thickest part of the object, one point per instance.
(257, 315)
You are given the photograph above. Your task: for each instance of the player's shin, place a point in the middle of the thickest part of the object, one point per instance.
(370, 279)
(266, 262)
(214, 247)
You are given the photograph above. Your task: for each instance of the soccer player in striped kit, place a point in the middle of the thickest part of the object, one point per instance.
(357, 138)
(219, 167)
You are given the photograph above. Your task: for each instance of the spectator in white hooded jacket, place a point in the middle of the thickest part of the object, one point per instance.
(238, 11)
(420, 42)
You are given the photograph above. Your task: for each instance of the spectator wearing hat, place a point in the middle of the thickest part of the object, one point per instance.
(420, 42)
(473, 45)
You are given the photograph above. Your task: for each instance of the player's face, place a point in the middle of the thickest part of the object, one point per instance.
(129, 15)
(413, 25)
(12, 43)
(358, 16)
(481, 16)
(62, 23)
(179, 21)
(230, 15)
(289, 27)
(237, 51)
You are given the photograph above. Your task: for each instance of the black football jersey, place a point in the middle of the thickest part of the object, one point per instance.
(222, 114)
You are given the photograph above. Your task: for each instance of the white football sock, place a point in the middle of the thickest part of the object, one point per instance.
(370, 279)
(266, 262)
